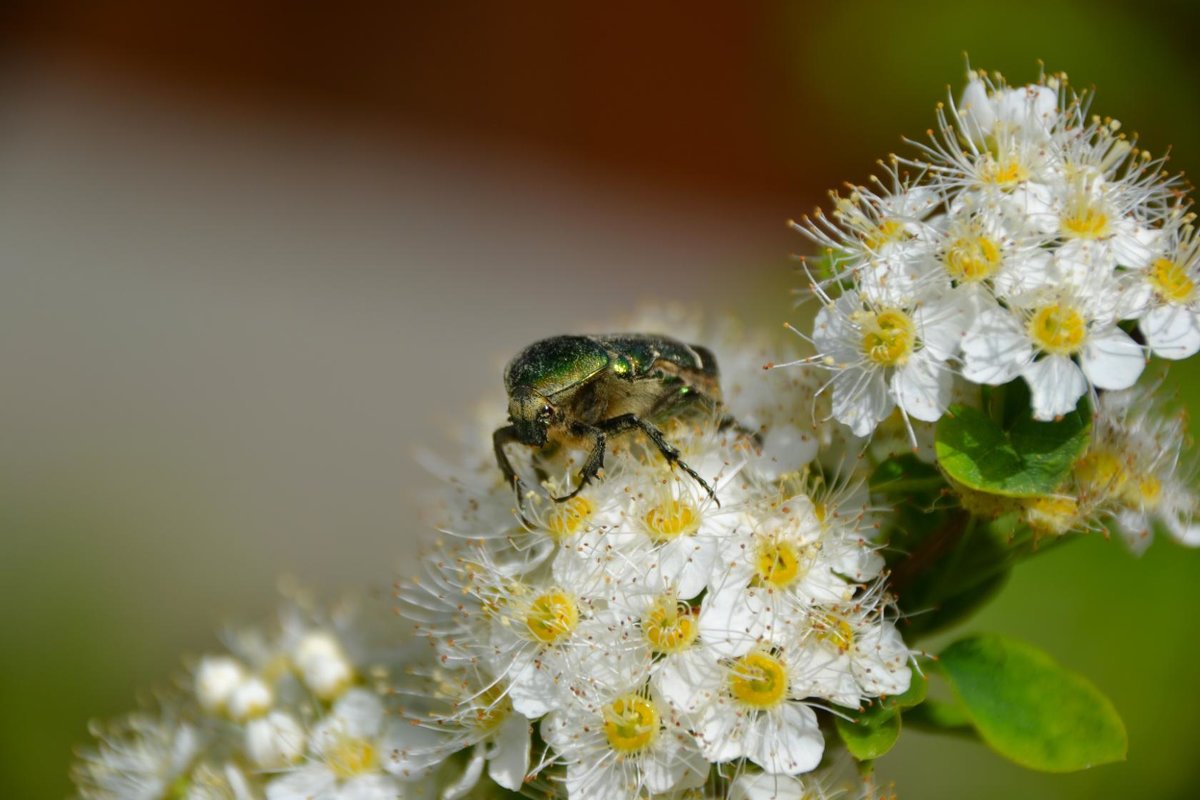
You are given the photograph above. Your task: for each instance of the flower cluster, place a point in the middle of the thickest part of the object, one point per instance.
(1135, 474)
(660, 640)
(304, 712)
(1025, 239)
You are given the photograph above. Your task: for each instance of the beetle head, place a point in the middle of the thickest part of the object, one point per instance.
(532, 414)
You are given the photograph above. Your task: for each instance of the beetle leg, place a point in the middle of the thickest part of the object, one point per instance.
(501, 437)
(627, 422)
(595, 459)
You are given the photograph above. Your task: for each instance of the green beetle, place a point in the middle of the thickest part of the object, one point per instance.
(583, 389)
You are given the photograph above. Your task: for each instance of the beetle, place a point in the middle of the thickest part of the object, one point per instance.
(583, 390)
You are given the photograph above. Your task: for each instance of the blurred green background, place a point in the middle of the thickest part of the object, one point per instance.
(257, 253)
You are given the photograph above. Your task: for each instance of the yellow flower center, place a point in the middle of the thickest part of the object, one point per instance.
(1004, 172)
(780, 562)
(552, 616)
(833, 631)
(758, 680)
(669, 626)
(1055, 514)
(888, 336)
(886, 232)
(492, 707)
(566, 518)
(350, 756)
(1085, 220)
(1146, 492)
(972, 258)
(1058, 328)
(1171, 281)
(1101, 471)
(630, 723)
(670, 519)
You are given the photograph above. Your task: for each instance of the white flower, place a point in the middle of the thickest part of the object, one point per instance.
(216, 679)
(851, 653)
(883, 357)
(223, 782)
(474, 711)
(748, 707)
(989, 110)
(1040, 340)
(878, 238)
(139, 760)
(627, 746)
(1135, 470)
(275, 740)
(1171, 324)
(349, 755)
(253, 697)
(552, 644)
(665, 537)
(323, 664)
(773, 572)
(765, 786)
(994, 142)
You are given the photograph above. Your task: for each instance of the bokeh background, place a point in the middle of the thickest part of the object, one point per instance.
(256, 254)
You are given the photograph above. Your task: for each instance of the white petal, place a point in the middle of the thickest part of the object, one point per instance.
(313, 782)
(834, 335)
(466, 782)
(732, 620)
(369, 787)
(687, 681)
(881, 661)
(1112, 360)
(764, 786)
(534, 688)
(976, 109)
(1172, 331)
(508, 761)
(1056, 384)
(786, 448)
(362, 713)
(217, 677)
(786, 740)
(1034, 204)
(413, 751)
(821, 671)
(1016, 278)
(922, 388)
(1079, 264)
(861, 400)
(722, 733)
(686, 563)
(941, 324)
(995, 348)
(1186, 535)
(274, 741)
(661, 767)
(1135, 246)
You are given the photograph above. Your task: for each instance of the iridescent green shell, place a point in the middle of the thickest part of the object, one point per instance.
(557, 364)
(562, 363)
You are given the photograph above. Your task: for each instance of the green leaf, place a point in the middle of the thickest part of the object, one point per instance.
(1029, 709)
(869, 733)
(1024, 459)
(938, 716)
